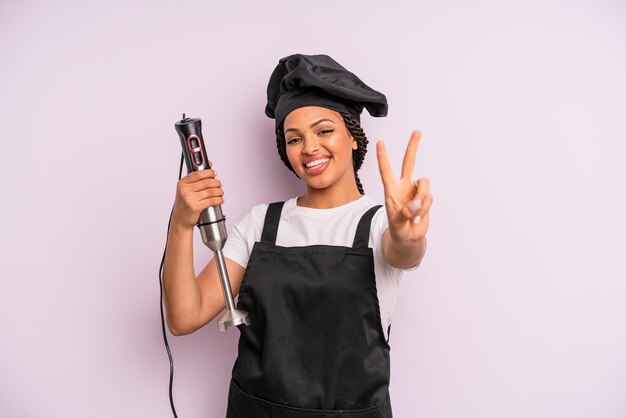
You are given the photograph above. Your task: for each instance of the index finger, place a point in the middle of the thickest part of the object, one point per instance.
(409, 156)
(383, 163)
(199, 175)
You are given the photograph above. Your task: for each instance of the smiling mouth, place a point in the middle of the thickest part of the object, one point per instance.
(317, 163)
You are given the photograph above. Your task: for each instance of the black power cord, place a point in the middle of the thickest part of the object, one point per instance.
(167, 347)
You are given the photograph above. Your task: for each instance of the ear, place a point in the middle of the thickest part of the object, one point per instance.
(355, 144)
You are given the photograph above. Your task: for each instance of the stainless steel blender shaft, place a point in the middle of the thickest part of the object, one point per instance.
(213, 230)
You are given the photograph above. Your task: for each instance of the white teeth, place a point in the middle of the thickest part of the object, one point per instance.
(316, 162)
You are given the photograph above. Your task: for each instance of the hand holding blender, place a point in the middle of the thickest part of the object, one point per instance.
(211, 221)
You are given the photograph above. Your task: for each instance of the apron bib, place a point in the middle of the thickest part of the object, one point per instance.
(316, 347)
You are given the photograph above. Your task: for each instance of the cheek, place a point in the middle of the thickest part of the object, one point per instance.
(342, 147)
(292, 156)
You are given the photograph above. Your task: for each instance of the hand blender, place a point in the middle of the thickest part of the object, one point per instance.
(211, 222)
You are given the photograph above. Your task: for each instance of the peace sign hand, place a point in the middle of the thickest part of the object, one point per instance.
(407, 201)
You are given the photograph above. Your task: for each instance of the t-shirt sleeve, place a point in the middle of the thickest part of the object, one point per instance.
(244, 234)
(380, 223)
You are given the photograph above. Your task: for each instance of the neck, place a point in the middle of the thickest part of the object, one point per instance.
(326, 199)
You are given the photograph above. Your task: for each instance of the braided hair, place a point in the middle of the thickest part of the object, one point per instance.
(358, 155)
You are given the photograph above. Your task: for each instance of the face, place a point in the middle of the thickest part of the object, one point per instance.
(319, 148)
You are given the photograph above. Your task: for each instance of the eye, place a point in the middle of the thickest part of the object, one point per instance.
(326, 131)
(294, 140)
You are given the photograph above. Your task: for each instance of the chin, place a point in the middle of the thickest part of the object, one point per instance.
(317, 186)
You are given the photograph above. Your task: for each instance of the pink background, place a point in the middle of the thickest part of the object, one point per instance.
(518, 309)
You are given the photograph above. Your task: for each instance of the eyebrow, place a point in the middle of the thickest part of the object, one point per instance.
(312, 125)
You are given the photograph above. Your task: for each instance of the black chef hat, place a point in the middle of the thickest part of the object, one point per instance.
(318, 80)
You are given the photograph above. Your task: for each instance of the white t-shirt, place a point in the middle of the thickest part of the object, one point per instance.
(301, 226)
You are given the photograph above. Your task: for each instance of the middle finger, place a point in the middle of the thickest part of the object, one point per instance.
(205, 184)
(409, 156)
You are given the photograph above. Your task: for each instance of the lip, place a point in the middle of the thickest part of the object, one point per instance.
(313, 158)
(317, 169)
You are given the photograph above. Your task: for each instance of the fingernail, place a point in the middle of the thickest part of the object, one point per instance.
(415, 205)
(418, 219)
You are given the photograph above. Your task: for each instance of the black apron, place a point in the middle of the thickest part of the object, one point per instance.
(316, 347)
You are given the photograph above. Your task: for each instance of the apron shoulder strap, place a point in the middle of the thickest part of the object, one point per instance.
(362, 236)
(272, 218)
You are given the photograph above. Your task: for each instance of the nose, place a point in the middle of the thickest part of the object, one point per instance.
(311, 145)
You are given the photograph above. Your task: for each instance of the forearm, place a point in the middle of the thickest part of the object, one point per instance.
(180, 290)
(403, 254)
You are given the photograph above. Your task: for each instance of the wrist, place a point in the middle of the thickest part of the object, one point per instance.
(404, 253)
(180, 228)
(180, 221)
(408, 244)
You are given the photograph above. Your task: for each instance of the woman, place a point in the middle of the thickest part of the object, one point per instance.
(317, 273)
